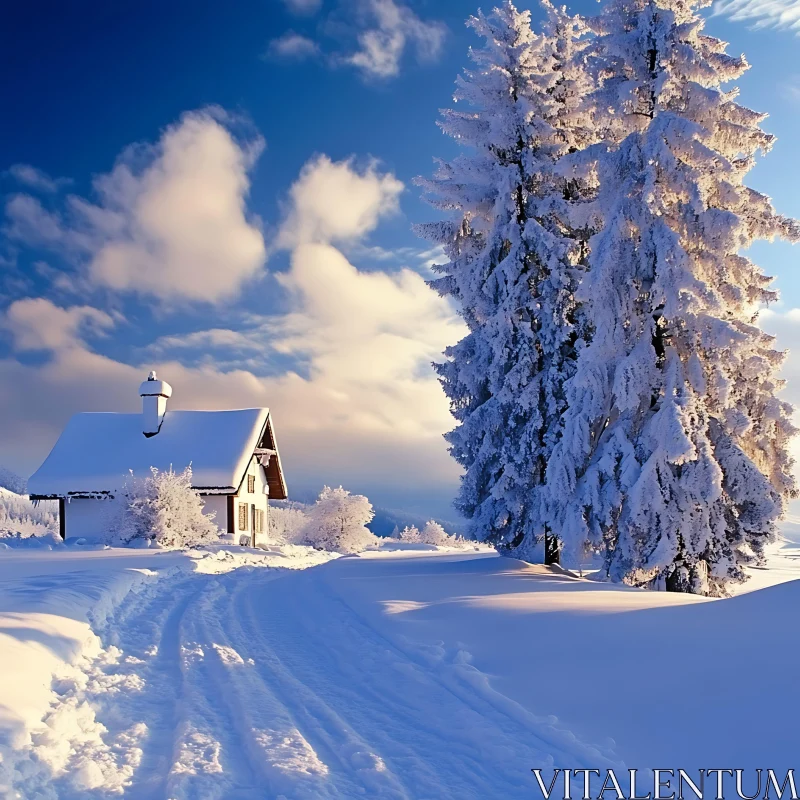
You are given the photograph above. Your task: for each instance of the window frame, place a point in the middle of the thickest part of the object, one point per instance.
(244, 513)
(251, 484)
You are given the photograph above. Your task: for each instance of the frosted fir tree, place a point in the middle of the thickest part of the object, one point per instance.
(163, 508)
(410, 535)
(515, 258)
(674, 459)
(338, 522)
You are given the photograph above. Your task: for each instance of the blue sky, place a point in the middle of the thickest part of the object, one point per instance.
(225, 191)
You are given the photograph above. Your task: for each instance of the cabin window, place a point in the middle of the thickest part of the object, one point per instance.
(259, 521)
(251, 484)
(242, 516)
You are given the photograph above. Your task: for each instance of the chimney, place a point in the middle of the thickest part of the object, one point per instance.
(154, 394)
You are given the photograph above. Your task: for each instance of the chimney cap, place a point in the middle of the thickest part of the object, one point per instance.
(154, 387)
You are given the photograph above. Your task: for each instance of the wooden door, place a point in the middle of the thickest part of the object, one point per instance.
(253, 523)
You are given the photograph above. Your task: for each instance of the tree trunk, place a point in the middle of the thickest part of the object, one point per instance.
(677, 581)
(552, 552)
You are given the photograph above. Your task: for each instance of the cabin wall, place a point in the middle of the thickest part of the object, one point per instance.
(217, 504)
(258, 498)
(93, 519)
(89, 518)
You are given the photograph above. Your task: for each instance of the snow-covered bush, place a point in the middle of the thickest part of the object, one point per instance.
(337, 521)
(434, 533)
(286, 524)
(164, 508)
(20, 517)
(409, 534)
(431, 533)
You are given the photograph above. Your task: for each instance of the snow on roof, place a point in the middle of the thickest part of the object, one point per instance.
(96, 451)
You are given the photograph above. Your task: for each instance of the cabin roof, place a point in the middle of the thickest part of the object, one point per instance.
(96, 452)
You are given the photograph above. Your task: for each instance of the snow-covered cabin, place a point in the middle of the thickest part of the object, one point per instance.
(234, 457)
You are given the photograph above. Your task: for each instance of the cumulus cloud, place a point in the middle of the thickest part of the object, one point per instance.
(37, 324)
(171, 220)
(368, 338)
(36, 179)
(293, 47)
(346, 369)
(28, 221)
(782, 14)
(303, 8)
(393, 27)
(335, 201)
(178, 226)
(368, 411)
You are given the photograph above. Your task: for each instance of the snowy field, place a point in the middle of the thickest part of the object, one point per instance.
(411, 673)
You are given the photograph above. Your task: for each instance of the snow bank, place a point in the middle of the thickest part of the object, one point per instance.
(648, 678)
(57, 610)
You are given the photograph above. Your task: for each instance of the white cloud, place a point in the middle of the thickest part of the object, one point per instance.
(394, 27)
(360, 406)
(38, 324)
(783, 14)
(28, 221)
(37, 179)
(213, 338)
(369, 413)
(303, 7)
(293, 46)
(334, 201)
(369, 338)
(178, 227)
(171, 221)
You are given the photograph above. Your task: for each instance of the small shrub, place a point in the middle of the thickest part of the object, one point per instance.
(165, 509)
(337, 522)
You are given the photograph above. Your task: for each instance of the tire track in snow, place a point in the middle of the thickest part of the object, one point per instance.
(163, 685)
(310, 645)
(325, 760)
(208, 760)
(261, 688)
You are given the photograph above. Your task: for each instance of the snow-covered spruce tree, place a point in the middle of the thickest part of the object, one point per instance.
(338, 520)
(164, 508)
(514, 263)
(674, 461)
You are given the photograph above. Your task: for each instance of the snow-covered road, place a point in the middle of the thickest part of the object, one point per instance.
(420, 675)
(263, 684)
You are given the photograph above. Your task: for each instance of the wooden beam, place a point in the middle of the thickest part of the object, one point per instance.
(231, 528)
(62, 517)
